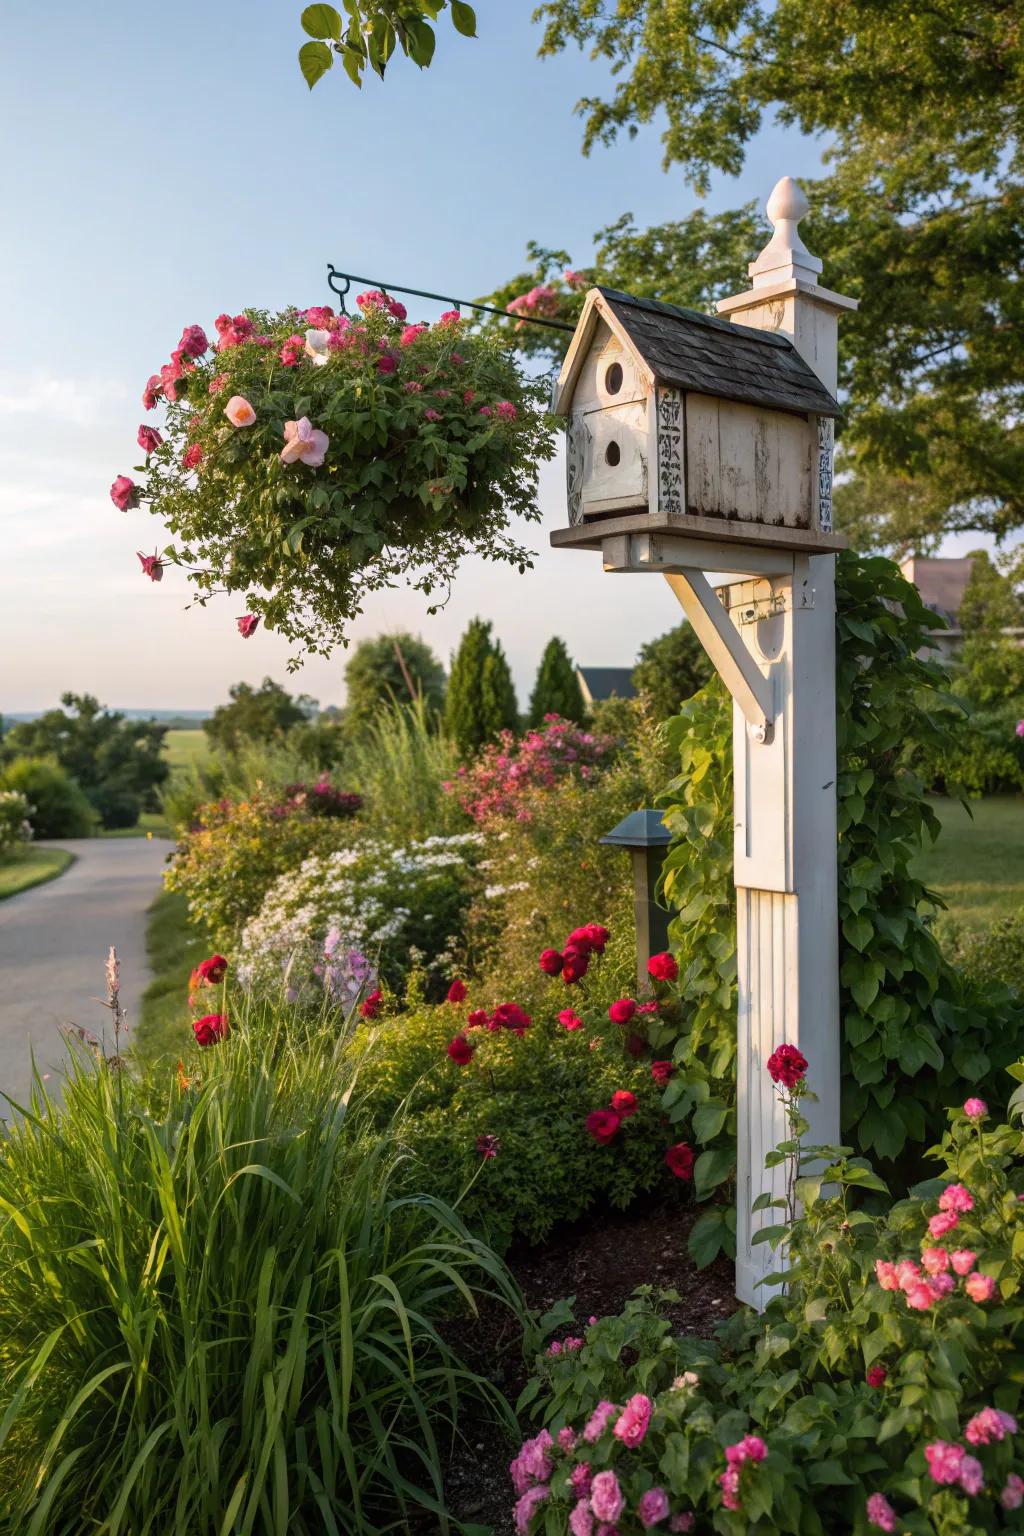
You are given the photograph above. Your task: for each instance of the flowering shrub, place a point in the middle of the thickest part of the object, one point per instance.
(237, 849)
(307, 458)
(15, 827)
(502, 779)
(397, 906)
(322, 799)
(880, 1391)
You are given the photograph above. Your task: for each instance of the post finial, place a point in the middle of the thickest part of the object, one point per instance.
(785, 255)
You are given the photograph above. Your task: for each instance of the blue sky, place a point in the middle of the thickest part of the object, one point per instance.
(165, 164)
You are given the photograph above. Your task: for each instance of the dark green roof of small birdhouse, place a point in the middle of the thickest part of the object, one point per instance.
(691, 351)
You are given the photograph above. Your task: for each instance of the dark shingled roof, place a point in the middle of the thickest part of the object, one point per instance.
(608, 682)
(716, 357)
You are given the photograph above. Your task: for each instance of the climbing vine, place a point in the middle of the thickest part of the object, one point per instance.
(909, 1019)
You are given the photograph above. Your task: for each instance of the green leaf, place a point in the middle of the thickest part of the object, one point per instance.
(322, 21)
(708, 1120)
(713, 1168)
(709, 1237)
(315, 59)
(420, 41)
(463, 18)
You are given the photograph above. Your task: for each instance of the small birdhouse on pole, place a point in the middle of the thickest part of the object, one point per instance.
(697, 444)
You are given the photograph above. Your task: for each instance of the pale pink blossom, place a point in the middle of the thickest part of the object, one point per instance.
(606, 1496)
(972, 1476)
(935, 1260)
(942, 1222)
(885, 1273)
(533, 1464)
(304, 443)
(729, 1482)
(907, 1274)
(567, 1438)
(980, 1287)
(989, 1425)
(581, 1520)
(598, 1421)
(956, 1198)
(944, 1461)
(1012, 1496)
(239, 412)
(975, 1109)
(963, 1260)
(920, 1296)
(652, 1508)
(527, 1506)
(631, 1425)
(684, 1522)
(881, 1513)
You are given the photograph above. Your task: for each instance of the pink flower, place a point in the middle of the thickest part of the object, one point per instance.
(1012, 1496)
(217, 383)
(603, 1125)
(972, 1476)
(149, 439)
(631, 1425)
(885, 1273)
(663, 1072)
(980, 1287)
(570, 1020)
(606, 1497)
(907, 1274)
(567, 1435)
(920, 1296)
(193, 341)
(956, 1198)
(550, 961)
(413, 387)
(468, 396)
(247, 625)
(750, 1448)
(684, 1522)
(963, 1260)
(320, 315)
(941, 1285)
(291, 354)
(485, 410)
(1020, 732)
(935, 1260)
(653, 1507)
(152, 566)
(881, 1513)
(989, 1425)
(787, 1065)
(555, 1347)
(239, 412)
(410, 334)
(975, 1109)
(304, 443)
(729, 1482)
(527, 1506)
(387, 362)
(579, 1477)
(622, 1011)
(944, 1461)
(488, 1146)
(942, 1222)
(662, 967)
(679, 1160)
(192, 456)
(506, 410)
(598, 1421)
(450, 317)
(431, 415)
(152, 392)
(581, 1520)
(877, 1376)
(533, 1464)
(124, 493)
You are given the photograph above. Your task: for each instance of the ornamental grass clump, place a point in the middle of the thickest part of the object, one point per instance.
(217, 1315)
(309, 458)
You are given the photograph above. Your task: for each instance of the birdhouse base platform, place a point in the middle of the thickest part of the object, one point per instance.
(731, 536)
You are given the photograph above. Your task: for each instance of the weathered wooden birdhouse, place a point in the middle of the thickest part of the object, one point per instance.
(682, 423)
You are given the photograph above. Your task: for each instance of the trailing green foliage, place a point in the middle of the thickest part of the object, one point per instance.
(217, 1312)
(557, 688)
(881, 1345)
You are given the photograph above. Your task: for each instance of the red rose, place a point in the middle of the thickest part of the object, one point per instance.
(575, 967)
(662, 967)
(680, 1160)
(510, 1016)
(212, 970)
(210, 1029)
(624, 1103)
(877, 1376)
(149, 439)
(457, 991)
(597, 937)
(192, 456)
(662, 1072)
(370, 1006)
(124, 493)
(603, 1124)
(570, 1020)
(247, 625)
(787, 1066)
(477, 1019)
(550, 962)
(152, 392)
(460, 1051)
(622, 1011)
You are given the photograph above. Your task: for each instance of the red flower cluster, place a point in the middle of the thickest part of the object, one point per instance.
(506, 1016)
(460, 1051)
(662, 1072)
(877, 1376)
(679, 1160)
(603, 1124)
(572, 961)
(371, 1004)
(622, 1010)
(457, 991)
(208, 973)
(210, 1029)
(787, 1066)
(488, 1146)
(662, 968)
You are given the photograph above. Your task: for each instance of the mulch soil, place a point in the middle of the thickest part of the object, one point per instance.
(600, 1262)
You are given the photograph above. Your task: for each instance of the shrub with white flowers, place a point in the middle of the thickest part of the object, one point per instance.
(14, 823)
(394, 906)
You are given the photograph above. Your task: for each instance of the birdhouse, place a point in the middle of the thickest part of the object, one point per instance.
(682, 423)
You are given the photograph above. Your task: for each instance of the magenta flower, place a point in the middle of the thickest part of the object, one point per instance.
(152, 566)
(304, 443)
(193, 341)
(942, 1222)
(956, 1198)
(653, 1507)
(581, 1520)
(149, 439)
(154, 389)
(990, 1425)
(533, 1464)
(944, 1461)
(1012, 1496)
(506, 410)
(975, 1109)
(431, 414)
(881, 1513)
(980, 1287)
(606, 1497)
(1020, 727)
(124, 493)
(247, 625)
(527, 1506)
(598, 1421)
(631, 1425)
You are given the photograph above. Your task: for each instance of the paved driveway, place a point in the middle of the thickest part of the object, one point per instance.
(53, 946)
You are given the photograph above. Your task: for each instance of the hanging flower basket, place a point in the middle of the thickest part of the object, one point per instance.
(308, 459)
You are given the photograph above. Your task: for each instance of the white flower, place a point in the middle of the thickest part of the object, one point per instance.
(316, 346)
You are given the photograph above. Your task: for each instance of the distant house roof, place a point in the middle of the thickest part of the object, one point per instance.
(700, 352)
(940, 581)
(599, 683)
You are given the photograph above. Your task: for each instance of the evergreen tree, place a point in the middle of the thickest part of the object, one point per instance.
(481, 700)
(557, 690)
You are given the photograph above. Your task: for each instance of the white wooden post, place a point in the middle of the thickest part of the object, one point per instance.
(785, 785)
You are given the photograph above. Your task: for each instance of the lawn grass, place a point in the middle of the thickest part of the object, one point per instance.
(182, 748)
(173, 948)
(977, 865)
(149, 824)
(31, 865)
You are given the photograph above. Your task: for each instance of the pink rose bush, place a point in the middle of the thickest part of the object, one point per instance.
(879, 1390)
(336, 453)
(501, 780)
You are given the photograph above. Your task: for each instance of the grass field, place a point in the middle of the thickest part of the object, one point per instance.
(173, 949)
(977, 865)
(184, 747)
(30, 866)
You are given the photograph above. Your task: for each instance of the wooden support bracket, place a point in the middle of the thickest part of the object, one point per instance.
(749, 686)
